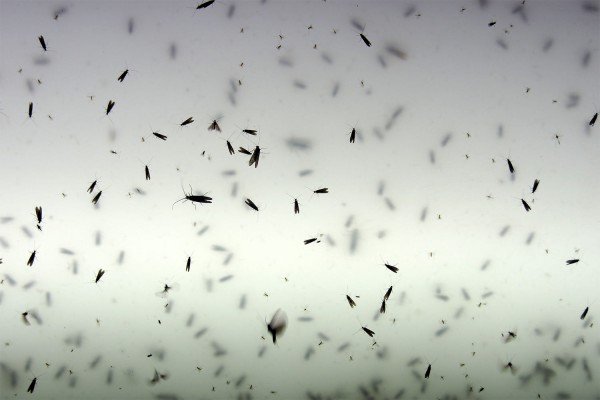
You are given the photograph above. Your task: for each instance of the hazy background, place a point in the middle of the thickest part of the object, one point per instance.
(439, 102)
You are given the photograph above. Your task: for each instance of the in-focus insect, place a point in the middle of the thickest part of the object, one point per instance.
(255, 156)
(368, 331)
(527, 208)
(34, 381)
(392, 268)
(353, 135)
(572, 261)
(214, 126)
(428, 371)
(387, 294)
(187, 121)
(364, 39)
(382, 308)
(251, 204)
(30, 111)
(205, 4)
(230, 148)
(188, 264)
(277, 325)
(160, 136)
(147, 170)
(593, 120)
(510, 166)
(110, 106)
(123, 75)
(584, 313)
(31, 258)
(535, 185)
(43, 43)
(97, 197)
(244, 151)
(308, 241)
(249, 131)
(321, 191)
(92, 186)
(38, 214)
(100, 274)
(350, 301)
(193, 198)
(296, 207)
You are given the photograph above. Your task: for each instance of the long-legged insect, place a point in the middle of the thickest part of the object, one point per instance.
(593, 120)
(350, 301)
(535, 185)
(92, 186)
(194, 198)
(100, 274)
(160, 136)
(510, 166)
(42, 42)
(572, 261)
(30, 110)
(188, 264)
(97, 197)
(123, 75)
(38, 213)
(428, 371)
(584, 313)
(277, 325)
(31, 258)
(214, 126)
(110, 106)
(251, 204)
(255, 156)
(187, 121)
(527, 208)
(205, 4)
(34, 381)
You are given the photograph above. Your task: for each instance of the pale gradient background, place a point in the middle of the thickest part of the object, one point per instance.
(405, 193)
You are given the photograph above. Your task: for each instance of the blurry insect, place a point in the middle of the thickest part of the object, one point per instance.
(350, 301)
(100, 274)
(428, 371)
(255, 157)
(382, 308)
(205, 4)
(43, 43)
(277, 325)
(92, 186)
(535, 185)
(584, 313)
(110, 106)
(387, 294)
(251, 204)
(97, 197)
(30, 111)
(510, 166)
(194, 198)
(31, 258)
(187, 121)
(572, 261)
(34, 381)
(593, 120)
(160, 136)
(188, 264)
(557, 137)
(123, 75)
(492, 23)
(214, 126)
(510, 366)
(147, 170)
(26, 321)
(527, 208)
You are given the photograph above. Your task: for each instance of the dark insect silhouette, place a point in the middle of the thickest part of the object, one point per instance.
(308, 241)
(110, 106)
(535, 185)
(24, 318)
(277, 325)
(492, 23)
(187, 121)
(428, 371)
(368, 331)
(92, 186)
(31, 258)
(100, 274)
(593, 120)
(244, 151)
(250, 131)
(350, 301)
(382, 308)
(214, 126)
(364, 39)
(251, 204)
(30, 111)
(510, 166)
(123, 75)
(321, 191)
(160, 136)
(527, 208)
(296, 207)
(584, 313)
(230, 148)
(147, 173)
(34, 381)
(97, 197)
(392, 268)
(255, 156)
(572, 261)
(188, 264)
(352, 135)
(387, 294)
(38, 214)
(205, 4)
(194, 198)
(43, 43)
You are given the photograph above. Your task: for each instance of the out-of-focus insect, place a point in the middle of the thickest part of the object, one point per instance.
(188, 264)
(368, 331)
(350, 301)
(193, 198)
(428, 371)
(100, 274)
(382, 308)
(510, 166)
(584, 313)
(31, 258)
(205, 4)
(92, 186)
(147, 170)
(593, 120)
(277, 325)
(492, 23)
(34, 381)
(97, 197)
(30, 110)
(123, 75)
(527, 208)
(251, 204)
(110, 106)
(160, 136)
(187, 121)
(535, 185)
(43, 43)
(26, 321)
(572, 261)
(255, 157)
(387, 294)
(38, 214)
(214, 126)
